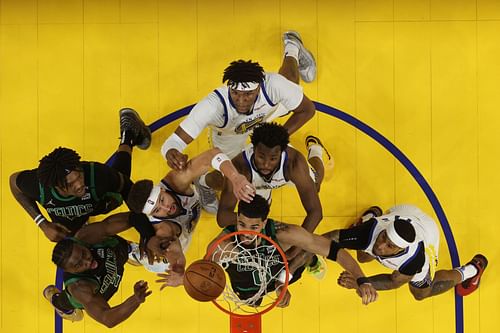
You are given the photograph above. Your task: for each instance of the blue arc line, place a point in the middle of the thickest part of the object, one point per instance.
(389, 146)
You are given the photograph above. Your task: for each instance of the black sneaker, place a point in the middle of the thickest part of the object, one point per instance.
(131, 121)
(314, 140)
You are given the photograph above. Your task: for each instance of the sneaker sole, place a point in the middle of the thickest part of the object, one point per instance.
(145, 131)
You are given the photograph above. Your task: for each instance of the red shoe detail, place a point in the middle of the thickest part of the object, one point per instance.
(470, 285)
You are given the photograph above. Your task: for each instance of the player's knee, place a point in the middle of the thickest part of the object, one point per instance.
(419, 294)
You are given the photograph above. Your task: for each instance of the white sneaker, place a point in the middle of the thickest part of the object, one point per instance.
(208, 197)
(307, 63)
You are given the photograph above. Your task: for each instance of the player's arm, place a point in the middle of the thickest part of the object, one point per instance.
(298, 173)
(199, 165)
(98, 308)
(389, 281)
(53, 231)
(301, 115)
(228, 201)
(361, 255)
(97, 232)
(203, 114)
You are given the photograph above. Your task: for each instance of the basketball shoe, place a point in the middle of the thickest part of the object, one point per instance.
(74, 315)
(307, 63)
(470, 285)
(131, 121)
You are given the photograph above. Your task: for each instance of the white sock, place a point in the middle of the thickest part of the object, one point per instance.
(366, 217)
(292, 50)
(315, 151)
(467, 271)
(203, 181)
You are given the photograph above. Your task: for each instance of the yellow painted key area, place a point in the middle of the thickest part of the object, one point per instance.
(423, 73)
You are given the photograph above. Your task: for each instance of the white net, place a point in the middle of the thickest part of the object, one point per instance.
(256, 270)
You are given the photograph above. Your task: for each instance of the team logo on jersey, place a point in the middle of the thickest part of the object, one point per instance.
(86, 196)
(248, 125)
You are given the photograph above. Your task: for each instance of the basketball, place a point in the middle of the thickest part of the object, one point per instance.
(204, 280)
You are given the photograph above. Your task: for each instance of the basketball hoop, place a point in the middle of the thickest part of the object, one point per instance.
(260, 257)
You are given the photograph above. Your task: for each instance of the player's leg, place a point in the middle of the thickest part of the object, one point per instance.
(315, 149)
(61, 303)
(297, 61)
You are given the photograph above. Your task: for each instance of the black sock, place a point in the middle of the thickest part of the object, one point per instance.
(314, 261)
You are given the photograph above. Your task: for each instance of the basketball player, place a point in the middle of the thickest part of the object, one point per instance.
(72, 190)
(167, 213)
(93, 263)
(269, 163)
(250, 97)
(253, 216)
(405, 240)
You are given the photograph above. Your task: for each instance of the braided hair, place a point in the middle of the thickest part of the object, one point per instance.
(54, 167)
(243, 71)
(62, 251)
(270, 135)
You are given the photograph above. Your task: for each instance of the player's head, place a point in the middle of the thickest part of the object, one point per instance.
(243, 79)
(269, 141)
(154, 200)
(62, 169)
(73, 257)
(398, 235)
(252, 216)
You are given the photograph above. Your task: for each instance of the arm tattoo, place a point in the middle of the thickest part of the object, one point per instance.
(280, 226)
(383, 282)
(439, 287)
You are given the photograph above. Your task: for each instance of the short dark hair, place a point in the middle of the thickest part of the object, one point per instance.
(405, 229)
(243, 71)
(55, 166)
(138, 195)
(257, 208)
(270, 135)
(62, 251)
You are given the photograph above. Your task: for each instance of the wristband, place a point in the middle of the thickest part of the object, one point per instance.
(282, 276)
(39, 219)
(173, 142)
(362, 280)
(218, 160)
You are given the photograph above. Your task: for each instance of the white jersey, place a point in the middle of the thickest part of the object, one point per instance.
(262, 185)
(427, 239)
(229, 128)
(188, 216)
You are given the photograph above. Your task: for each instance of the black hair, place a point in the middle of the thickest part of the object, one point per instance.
(62, 251)
(243, 71)
(270, 135)
(138, 195)
(405, 229)
(54, 167)
(257, 208)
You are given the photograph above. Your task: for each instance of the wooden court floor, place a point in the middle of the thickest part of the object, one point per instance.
(423, 74)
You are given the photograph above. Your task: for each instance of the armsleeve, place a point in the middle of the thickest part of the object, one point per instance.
(284, 91)
(358, 237)
(107, 179)
(414, 264)
(27, 181)
(208, 112)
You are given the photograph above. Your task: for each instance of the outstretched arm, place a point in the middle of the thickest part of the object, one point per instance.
(301, 115)
(53, 231)
(98, 308)
(197, 166)
(97, 232)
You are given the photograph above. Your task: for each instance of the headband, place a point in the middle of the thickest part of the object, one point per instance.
(393, 235)
(243, 86)
(151, 200)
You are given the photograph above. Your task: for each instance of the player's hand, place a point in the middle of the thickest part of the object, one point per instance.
(54, 231)
(170, 279)
(242, 188)
(141, 291)
(293, 252)
(176, 160)
(347, 280)
(285, 301)
(367, 293)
